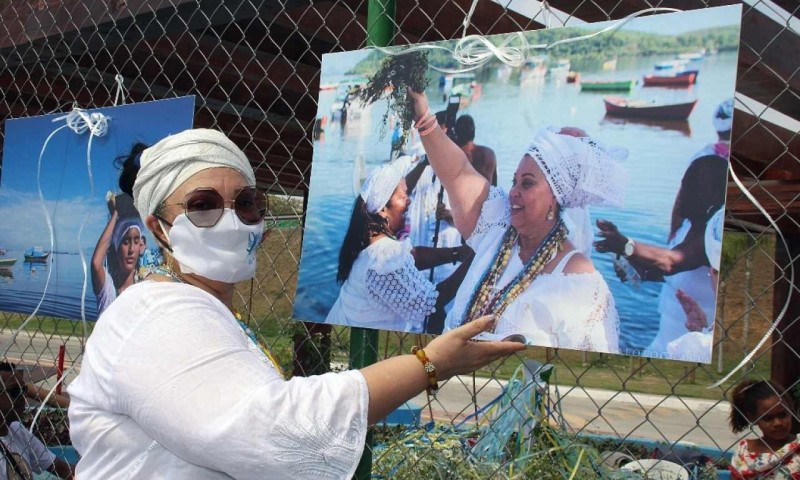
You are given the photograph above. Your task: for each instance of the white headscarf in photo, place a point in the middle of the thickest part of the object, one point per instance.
(379, 186)
(170, 162)
(122, 228)
(581, 172)
(713, 238)
(723, 116)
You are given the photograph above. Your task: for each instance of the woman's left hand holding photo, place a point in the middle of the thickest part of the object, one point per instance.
(394, 381)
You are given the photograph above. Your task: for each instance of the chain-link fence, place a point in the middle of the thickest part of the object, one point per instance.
(254, 67)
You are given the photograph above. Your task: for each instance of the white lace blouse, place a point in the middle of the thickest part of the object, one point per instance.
(385, 290)
(561, 310)
(171, 387)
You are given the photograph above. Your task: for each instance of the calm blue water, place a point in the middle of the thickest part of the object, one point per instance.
(506, 115)
(22, 285)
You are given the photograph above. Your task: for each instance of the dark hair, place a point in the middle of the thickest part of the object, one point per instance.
(702, 191)
(129, 167)
(441, 117)
(7, 367)
(465, 129)
(744, 399)
(363, 226)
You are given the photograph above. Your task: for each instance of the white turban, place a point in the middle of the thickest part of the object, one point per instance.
(723, 116)
(122, 227)
(379, 186)
(713, 238)
(580, 171)
(170, 162)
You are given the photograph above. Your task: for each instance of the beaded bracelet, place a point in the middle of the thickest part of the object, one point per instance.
(430, 369)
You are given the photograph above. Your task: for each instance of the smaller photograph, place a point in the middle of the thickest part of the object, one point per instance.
(70, 241)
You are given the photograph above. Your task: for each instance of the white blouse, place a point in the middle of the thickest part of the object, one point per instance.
(385, 290)
(171, 387)
(562, 310)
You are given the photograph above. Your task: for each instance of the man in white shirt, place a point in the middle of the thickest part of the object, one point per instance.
(21, 453)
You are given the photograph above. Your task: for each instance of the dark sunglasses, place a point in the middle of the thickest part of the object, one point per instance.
(204, 206)
(15, 391)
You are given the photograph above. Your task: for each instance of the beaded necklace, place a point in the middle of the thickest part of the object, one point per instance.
(485, 299)
(168, 272)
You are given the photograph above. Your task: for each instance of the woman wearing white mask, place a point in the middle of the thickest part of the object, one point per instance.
(170, 384)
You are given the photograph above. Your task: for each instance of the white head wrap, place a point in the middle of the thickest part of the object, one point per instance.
(581, 172)
(723, 116)
(713, 238)
(379, 186)
(170, 162)
(122, 227)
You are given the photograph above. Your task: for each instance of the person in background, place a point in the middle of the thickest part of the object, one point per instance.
(22, 453)
(482, 158)
(683, 264)
(776, 454)
(696, 344)
(723, 124)
(172, 385)
(382, 285)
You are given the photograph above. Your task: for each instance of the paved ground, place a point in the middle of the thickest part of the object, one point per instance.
(638, 415)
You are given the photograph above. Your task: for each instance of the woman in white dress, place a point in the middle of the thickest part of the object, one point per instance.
(171, 385)
(683, 265)
(527, 268)
(382, 285)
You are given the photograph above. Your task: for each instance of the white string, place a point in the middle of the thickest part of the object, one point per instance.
(96, 123)
(119, 95)
(785, 308)
(468, 18)
(49, 222)
(474, 51)
(79, 121)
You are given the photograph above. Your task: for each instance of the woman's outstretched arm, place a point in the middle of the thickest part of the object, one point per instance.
(100, 250)
(652, 262)
(466, 188)
(393, 381)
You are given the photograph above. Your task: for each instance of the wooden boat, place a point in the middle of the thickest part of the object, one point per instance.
(669, 65)
(7, 262)
(608, 85)
(36, 255)
(684, 73)
(621, 107)
(669, 80)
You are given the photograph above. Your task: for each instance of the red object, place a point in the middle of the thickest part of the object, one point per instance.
(676, 81)
(620, 107)
(60, 368)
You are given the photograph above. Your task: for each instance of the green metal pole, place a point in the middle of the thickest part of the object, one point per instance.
(364, 341)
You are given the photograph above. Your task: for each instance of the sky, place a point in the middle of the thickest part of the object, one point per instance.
(64, 174)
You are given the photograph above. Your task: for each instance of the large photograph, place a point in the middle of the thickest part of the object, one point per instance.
(95, 228)
(578, 197)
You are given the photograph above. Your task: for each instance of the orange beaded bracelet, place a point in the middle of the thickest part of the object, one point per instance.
(430, 369)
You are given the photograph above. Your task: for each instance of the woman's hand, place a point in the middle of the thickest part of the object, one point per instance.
(613, 241)
(455, 353)
(419, 101)
(696, 319)
(443, 213)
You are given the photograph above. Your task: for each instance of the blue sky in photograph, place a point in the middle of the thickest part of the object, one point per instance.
(64, 177)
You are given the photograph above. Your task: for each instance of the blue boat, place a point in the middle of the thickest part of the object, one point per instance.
(36, 255)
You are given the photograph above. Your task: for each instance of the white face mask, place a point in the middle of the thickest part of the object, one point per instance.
(225, 252)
